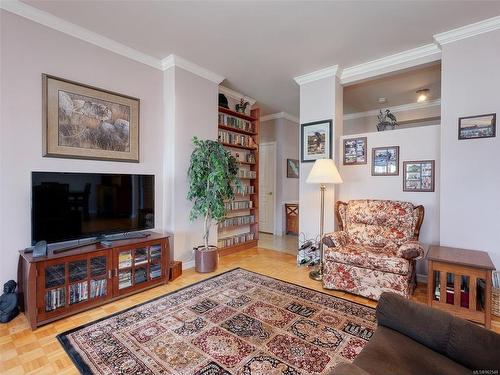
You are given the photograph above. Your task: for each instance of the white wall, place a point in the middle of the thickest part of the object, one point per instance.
(28, 50)
(286, 135)
(470, 178)
(414, 144)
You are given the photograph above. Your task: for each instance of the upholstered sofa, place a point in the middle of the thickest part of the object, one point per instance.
(375, 249)
(414, 339)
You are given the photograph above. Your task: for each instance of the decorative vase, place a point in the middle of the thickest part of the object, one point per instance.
(206, 260)
(386, 125)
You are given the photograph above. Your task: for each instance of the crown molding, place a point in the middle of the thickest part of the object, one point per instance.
(395, 109)
(174, 60)
(278, 115)
(56, 23)
(402, 60)
(330, 71)
(236, 95)
(468, 31)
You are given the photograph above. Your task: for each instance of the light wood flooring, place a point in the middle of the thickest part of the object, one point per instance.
(23, 351)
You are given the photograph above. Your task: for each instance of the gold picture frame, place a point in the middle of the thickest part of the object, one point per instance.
(86, 122)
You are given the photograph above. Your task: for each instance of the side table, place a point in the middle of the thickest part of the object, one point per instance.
(454, 282)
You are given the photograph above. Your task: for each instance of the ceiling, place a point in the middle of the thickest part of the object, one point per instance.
(260, 46)
(397, 88)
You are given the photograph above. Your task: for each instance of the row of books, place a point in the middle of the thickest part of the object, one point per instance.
(246, 173)
(98, 288)
(140, 256)
(234, 240)
(155, 271)
(238, 205)
(78, 292)
(54, 299)
(125, 259)
(236, 139)
(155, 252)
(244, 190)
(235, 122)
(124, 279)
(237, 220)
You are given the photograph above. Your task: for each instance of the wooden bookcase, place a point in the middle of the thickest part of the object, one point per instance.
(239, 133)
(63, 284)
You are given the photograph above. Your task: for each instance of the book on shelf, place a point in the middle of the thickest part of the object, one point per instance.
(98, 288)
(236, 139)
(237, 220)
(124, 279)
(55, 299)
(125, 259)
(78, 292)
(236, 239)
(235, 122)
(155, 271)
(238, 205)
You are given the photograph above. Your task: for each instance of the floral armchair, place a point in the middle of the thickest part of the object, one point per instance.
(375, 249)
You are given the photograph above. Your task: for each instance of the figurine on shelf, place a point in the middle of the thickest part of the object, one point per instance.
(9, 302)
(242, 106)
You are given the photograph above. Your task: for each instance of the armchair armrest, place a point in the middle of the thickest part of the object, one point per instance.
(335, 239)
(411, 250)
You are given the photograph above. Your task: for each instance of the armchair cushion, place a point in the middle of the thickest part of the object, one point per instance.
(411, 250)
(377, 258)
(335, 239)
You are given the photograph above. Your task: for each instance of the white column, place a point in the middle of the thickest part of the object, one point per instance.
(320, 99)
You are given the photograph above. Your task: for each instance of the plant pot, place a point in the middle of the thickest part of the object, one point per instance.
(206, 260)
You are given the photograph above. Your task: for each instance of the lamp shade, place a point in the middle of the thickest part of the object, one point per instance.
(324, 171)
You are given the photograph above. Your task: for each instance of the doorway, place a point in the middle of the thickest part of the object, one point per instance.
(267, 187)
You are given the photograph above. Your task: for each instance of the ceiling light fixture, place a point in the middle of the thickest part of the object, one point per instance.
(422, 95)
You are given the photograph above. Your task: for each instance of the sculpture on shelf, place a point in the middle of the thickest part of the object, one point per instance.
(9, 302)
(386, 121)
(241, 107)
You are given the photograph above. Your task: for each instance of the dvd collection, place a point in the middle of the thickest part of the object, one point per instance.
(245, 173)
(234, 240)
(98, 288)
(124, 279)
(236, 139)
(155, 252)
(140, 256)
(243, 190)
(54, 299)
(78, 292)
(125, 259)
(155, 271)
(237, 220)
(238, 205)
(236, 123)
(140, 275)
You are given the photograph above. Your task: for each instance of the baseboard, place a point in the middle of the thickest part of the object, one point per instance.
(187, 265)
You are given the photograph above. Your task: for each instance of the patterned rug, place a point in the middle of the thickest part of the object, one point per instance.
(239, 322)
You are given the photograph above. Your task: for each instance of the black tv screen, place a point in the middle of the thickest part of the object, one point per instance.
(70, 206)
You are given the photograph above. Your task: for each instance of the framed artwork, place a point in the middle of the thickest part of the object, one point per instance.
(85, 122)
(316, 140)
(385, 161)
(355, 151)
(418, 176)
(292, 168)
(483, 126)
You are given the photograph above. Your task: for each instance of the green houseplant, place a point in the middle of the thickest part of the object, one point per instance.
(212, 174)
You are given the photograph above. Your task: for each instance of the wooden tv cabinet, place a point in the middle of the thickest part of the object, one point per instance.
(66, 283)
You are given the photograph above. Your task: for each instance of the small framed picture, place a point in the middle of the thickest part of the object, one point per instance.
(292, 168)
(472, 127)
(355, 151)
(316, 140)
(418, 176)
(385, 161)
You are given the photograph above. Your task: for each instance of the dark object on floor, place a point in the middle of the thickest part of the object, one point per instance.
(9, 303)
(40, 249)
(412, 338)
(175, 270)
(223, 101)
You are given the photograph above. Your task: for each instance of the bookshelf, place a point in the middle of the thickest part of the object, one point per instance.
(239, 134)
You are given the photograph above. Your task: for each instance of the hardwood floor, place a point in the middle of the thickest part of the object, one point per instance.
(23, 351)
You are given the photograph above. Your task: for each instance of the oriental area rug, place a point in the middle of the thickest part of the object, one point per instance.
(239, 322)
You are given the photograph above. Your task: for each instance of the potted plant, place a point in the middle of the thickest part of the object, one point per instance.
(212, 174)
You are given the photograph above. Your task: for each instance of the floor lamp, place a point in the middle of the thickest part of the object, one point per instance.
(323, 172)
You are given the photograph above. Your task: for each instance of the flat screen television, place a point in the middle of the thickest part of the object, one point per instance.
(71, 206)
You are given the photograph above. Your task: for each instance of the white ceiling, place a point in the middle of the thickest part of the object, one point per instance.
(398, 89)
(260, 46)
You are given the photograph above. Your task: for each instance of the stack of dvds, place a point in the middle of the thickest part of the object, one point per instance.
(235, 122)
(243, 190)
(155, 252)
(237, 239)
(238, 205)
(238, 220)
(245, 173)
(124, 259)
(140, 256)
(78, 292)
(98, 288)
(235, 139)
(155, 271)
(124, 279)
(54, 299)
(140, 275)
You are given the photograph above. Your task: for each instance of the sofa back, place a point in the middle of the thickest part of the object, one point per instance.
(464, 342)
(377, 222)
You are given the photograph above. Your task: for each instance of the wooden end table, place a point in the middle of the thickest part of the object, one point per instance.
(458, 295)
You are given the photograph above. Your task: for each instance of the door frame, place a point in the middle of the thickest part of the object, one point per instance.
(273, 183)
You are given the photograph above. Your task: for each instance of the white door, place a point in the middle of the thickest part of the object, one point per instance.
(267, 186)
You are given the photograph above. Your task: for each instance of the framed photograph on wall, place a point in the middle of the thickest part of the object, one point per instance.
(355, 151)
(316, 141)
(418, 175)
(85, 122)
(292, 168)
(472, 127)
(385, 161)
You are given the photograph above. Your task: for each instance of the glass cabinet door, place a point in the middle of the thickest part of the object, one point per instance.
(98, 276)
(55, 281)
(78, 281)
